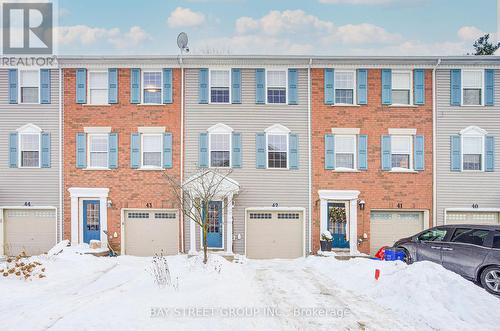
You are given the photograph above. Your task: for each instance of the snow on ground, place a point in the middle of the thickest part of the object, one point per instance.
(83, 292)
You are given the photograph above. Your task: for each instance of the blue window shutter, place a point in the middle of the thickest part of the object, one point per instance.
(419, 86)
(489, 87)
(362, 82)
(81, 85)
(419, 153)
(260, 150)
(293, 151)
(455, 152)
(329, 91)
(135, 85)
(386, 153)
(81, 150)
(13, 150)
(490, 154)
(292, 86)
(235, 85)
(167, 150)
(113, 150)
(167, 85)
(135, 150)
(44, 86)
(363, 152)
(45, 150)
(203, 85)
(260, 86)
(329, 151)
(386, 86)
(203, 150)
(112, 85)
(236, 156)
(12, 85)
(456, 87)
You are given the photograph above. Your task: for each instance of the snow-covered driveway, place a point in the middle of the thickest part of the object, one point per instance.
(316, 293)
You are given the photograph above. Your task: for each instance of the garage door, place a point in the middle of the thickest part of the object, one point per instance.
(148, 232)
(31, 231)
(274, 235)
(472, 218)
(386, 227)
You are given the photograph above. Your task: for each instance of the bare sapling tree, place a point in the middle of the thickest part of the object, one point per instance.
(195, 194)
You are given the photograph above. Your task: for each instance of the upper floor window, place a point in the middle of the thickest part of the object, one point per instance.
(472, 87)
(345, 152)
(152, 82)
(277, 146)
(276, 86)
(401, 152)
(29, 82)
(344, 87)
(152, 147)
(98, 150)
(29, 149)
(219, 137)
(219, 86)
(98, 87)
(401, 87)
(472, 156)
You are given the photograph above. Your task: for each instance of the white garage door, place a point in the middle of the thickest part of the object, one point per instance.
(484, 218)
(30, 230)
(274, 234)
(386, 227)
(148, 232)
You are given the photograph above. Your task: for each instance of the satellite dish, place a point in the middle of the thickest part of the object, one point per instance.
(182, 41)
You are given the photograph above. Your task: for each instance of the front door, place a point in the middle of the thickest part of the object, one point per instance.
(214, 235)
(337, 223)
(91, 221)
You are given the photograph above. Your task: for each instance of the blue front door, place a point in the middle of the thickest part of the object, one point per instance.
(337, 223)
(91, 221)
(214, 219)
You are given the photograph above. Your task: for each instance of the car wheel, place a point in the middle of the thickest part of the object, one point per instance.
(407, 259)
(490, 279)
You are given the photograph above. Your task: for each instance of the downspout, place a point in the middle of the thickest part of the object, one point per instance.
(309, 161)
(61, 136)
(434, 131)
(182, 148)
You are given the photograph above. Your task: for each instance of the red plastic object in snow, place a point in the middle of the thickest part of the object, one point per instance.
(380, 253)
(377, 274)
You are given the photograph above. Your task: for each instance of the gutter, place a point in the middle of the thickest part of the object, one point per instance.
(182, 149)
(434, 132)
(309, 161)
(61, 136)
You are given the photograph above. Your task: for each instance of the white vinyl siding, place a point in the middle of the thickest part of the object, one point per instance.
(98, 87)
(401, 152)
(472, 87)
(29, 82)
(98, 151)
(151, 151)
(345, 152)
(29, 149)
(220, 86)
(345, 92)
(276, 86)
(401, 87)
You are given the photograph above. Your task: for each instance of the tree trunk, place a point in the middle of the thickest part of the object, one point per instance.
(205, 248)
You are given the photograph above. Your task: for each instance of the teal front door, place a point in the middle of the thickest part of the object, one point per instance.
(337, 223)
(214, 219)
(91, 221)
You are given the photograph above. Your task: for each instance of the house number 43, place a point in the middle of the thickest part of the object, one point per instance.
(275, 204)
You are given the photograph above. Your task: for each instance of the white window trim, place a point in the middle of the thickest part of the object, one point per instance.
(89, 87)
(411, 88)
(354, 100)
(462, 87)
(142, 88)
(19, 93)
(411, 167)
(89, 135)
(355, 160)
(473, 132)
(286, 86)
(29, 129)
(220, 128)
(277, 130)
(142, 152)
(210, 85)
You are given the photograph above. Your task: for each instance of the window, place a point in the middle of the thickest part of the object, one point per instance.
(470, 236)
(401, 87)
(401, 152)
(30, 150)
(433, 235)
(152, 87)
(276, 86)
(496, 239)
(472, 85)
(151, 150)
(344, 87)
(220, 147)
(345, 151)
(277, 151)
(98, 150)
(219, 86)
(28, 84)
(98, 87)
(472, 153)
(260, 216)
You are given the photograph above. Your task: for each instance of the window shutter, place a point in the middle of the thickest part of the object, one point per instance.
(203, 150)
(419, 86)
(386, 153)
(386, 86)
(260, 86)
(489, 85)
(81, 85)
(112, 85)
(236, 85)
(456, 87)
(362, 82)
(44, 86)
(13, 150)
(236, 153)
(167, 150)
(260, 149)
(490, 154)
(113, 150)
(293, 151)
(363, 152)
(167, 85)
(203, 85)
(419, 153)
(292, 86)
(329, 91)
(329, 151)
(81, 150)
(135, 150)
(135, 85)
(45, 150)
(12, 85)
(455, 152)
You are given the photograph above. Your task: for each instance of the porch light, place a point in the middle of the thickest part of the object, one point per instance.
(109, 203)
(362, 204)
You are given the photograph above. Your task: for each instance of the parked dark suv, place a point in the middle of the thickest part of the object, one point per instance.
(472, 251)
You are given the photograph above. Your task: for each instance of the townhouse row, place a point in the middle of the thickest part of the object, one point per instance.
(371, 149)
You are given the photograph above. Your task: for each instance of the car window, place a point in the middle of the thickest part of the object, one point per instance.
(470, 236)
(433, 235)
(496, 240)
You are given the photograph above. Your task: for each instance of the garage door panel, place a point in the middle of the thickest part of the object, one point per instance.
(480, 218)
